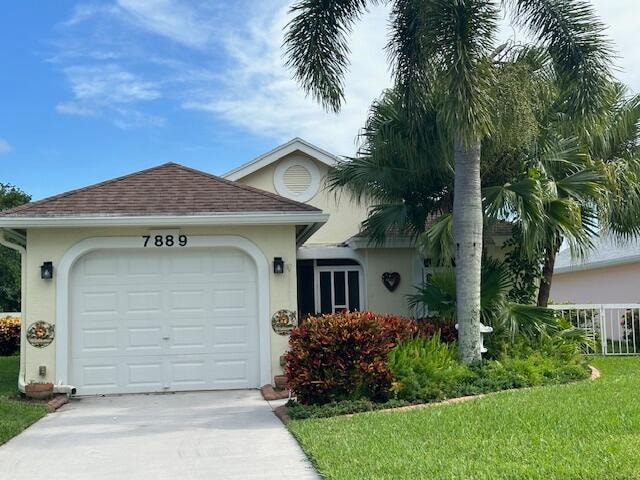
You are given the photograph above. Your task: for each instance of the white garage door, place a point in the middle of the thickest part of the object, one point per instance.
(163, 320)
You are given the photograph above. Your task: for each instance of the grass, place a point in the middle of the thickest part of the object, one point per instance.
(15, 415)
(583, 431)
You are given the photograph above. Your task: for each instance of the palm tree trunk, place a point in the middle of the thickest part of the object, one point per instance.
(467, 236)
(550, 254)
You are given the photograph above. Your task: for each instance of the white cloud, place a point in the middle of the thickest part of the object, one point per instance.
(109, 91)
(71, 108)
(178, 21)
(227, 59)
(260, 96)
(108, 84)
(5, 146)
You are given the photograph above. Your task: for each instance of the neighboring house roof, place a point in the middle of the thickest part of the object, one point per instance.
(607, 251)
(397, 238)
(294, 145)
(159, 196)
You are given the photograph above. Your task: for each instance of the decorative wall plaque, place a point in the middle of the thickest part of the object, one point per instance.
(391, 280)
(283, 321)
(40, 334)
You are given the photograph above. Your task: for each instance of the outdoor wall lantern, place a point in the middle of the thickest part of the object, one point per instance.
(278, 265)
(46, 271)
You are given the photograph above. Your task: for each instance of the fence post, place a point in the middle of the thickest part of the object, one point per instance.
(603, 330)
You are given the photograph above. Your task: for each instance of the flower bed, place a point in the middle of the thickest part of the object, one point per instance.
(9, 335)
(354, 362)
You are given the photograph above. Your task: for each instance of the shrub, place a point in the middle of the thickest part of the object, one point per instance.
(426, 369)
(343, 356)
(298, 411)
(9, 335)
(430, 326)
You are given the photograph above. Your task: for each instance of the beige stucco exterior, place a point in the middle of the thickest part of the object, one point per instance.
(613, 284)
(377, 261)
(345, 214)
(51, 244)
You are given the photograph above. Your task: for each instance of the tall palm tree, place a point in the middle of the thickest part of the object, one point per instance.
(445, 45)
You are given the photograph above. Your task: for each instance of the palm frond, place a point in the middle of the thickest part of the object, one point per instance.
(572, 34)
(316, 46)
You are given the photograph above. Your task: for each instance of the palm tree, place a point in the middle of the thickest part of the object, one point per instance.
(445, 45)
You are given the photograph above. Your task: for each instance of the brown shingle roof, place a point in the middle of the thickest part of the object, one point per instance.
(168, 189)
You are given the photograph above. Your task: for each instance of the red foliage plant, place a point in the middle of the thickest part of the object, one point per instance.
(343, 356)
(429, 326)
(9, 335)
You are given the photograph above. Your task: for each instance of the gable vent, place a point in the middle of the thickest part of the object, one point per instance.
(297, 179)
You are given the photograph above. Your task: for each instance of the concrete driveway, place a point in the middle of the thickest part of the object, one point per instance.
(201, 435)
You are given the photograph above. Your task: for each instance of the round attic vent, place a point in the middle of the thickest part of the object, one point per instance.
(297, 178)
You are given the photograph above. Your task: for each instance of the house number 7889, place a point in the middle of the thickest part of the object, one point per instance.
(165, 241)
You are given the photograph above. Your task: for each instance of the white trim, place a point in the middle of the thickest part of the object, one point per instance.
(296, 144)
(307, 164)
(248, 218)
(358, 243)
(114, 243)
(329, 253)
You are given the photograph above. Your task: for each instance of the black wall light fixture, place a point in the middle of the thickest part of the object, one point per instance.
(46, 271)
(278, 265)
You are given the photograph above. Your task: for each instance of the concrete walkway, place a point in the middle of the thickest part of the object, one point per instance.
(181, 436)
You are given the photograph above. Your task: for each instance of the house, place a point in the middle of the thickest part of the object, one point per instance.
(174, 279)
(609, 274)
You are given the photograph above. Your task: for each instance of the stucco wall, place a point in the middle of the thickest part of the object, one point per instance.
(378, 261)
(51, 245)
(616, 284)
(345, 217)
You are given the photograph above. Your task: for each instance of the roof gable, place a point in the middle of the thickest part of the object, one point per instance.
(168, 189)
(294, 145)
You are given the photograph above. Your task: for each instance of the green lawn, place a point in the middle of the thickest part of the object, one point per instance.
(15, 415)
(585, 431)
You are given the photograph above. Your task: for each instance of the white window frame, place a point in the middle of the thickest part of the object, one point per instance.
(333, 269)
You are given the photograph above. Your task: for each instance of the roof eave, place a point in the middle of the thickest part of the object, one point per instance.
(242, 218)
(597, 264)
(296, 144)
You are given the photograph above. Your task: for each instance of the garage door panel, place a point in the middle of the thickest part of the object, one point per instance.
(148, 302)
(148, 373)
(188, 339)
(98, 341)
(188, 301)
(99, 303)
(143, 267)
(160, 319)
(144, 340)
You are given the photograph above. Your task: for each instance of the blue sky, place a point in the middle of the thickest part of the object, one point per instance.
(94, 89)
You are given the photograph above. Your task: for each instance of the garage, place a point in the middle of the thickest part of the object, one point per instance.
(163, 320)
(162, 280)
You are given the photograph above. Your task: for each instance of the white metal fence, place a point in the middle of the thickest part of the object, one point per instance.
(10, 314)
(615, 327)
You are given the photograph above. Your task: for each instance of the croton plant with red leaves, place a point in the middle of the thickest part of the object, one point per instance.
(343, 356)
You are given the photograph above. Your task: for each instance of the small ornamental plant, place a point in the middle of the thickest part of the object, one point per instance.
(9, 335)
(343, 356)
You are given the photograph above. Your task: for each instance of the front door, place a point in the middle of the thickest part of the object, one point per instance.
(338, 288)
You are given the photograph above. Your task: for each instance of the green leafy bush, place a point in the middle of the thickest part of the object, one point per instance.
(343, 356)
(9, 335)
(298, 411)
(425, 369)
